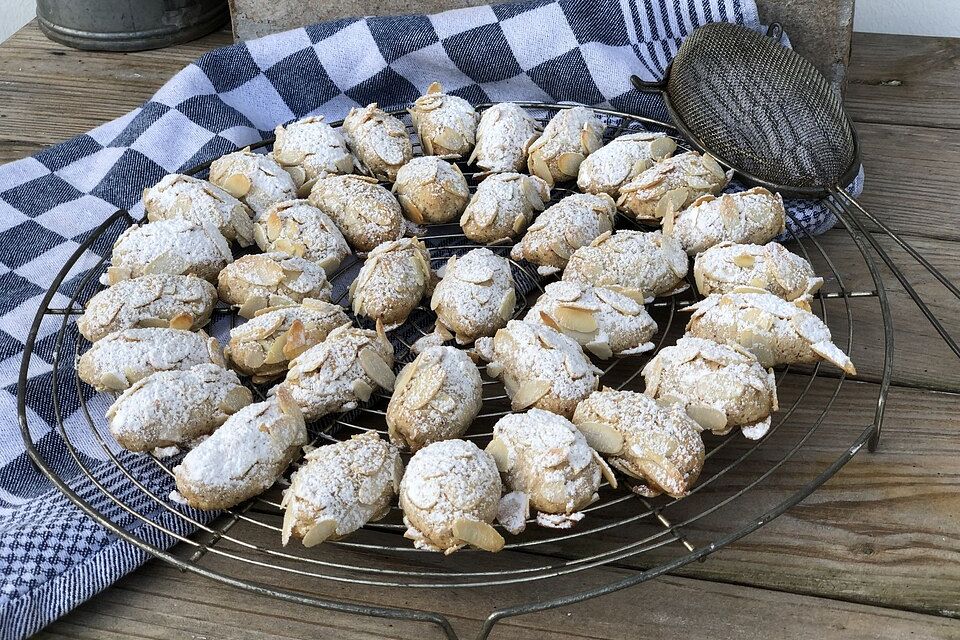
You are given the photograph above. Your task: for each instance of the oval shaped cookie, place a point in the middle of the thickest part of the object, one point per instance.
(176, 246)
(261, 280)
(157, 300)
(436, 397)
(122, 358)
(199, 201)
(171, 408)
(244, 457)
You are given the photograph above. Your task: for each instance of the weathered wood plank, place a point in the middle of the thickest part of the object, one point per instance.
(904, 80)
(159, 602)
(38, 77)
(880, 531)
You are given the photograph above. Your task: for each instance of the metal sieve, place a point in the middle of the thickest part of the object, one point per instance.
(767, 112)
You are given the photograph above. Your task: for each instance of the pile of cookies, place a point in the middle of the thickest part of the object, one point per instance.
(323, 194)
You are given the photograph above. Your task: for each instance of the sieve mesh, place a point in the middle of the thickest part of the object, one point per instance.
(761, 108)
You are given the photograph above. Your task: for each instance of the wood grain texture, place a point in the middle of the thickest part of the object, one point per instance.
(904, 80)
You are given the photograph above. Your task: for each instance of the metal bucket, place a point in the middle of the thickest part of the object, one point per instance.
(128, 25)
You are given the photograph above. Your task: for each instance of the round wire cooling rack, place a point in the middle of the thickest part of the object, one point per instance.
(744, 484)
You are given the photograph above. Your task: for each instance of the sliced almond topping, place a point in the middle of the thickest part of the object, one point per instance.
(606, 471)
(662, 147)
(529, 392)
(296, 340)
(538, 166)
(182, 320)
(831, 353)
(112, 381)
(729, 212)
(260, 236)
(275, 353)
(320, 532)
(297, 174)
(287, 528)
(519, 224)
(237, 185)
(708, 417)
(501, 455)
(405, 375)
(166, 262)
(590, 141)
(602, 437)
(450, 139)
(235, 399)
(508, 304)
(412, 210)
(575, 319)
(714, 167)
(569, 163)
(251, 305)
(600, 349)
(362, 390)
(289, 156)
(479, 534)
(378, 370)
(425, 388)
(744, 260)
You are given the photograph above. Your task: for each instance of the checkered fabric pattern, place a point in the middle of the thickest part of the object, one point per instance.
(53, 556)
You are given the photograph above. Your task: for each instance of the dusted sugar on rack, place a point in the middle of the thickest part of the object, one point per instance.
(534, 430)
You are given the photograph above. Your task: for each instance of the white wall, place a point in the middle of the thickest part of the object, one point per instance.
(14, 14)
(914, 17)
(917, 17)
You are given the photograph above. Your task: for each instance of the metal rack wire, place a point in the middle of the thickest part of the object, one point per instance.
(621, 529)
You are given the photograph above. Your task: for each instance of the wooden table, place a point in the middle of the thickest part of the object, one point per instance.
(875, 553)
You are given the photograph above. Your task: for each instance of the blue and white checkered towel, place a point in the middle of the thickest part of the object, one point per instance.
(52, 555)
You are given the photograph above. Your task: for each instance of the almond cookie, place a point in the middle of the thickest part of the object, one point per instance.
(564, 227)
(502, 207)
(299, 229)
(660, 445)
(545, 457)
(122, 358)
(174, 246)
(262, 280)
(476, 295)
(726, 266)
(431, 190)
(244, 457)
(504, 135)
(263, 346)
(567, 140)
(539, 367)
(340, 488)
(720, 386)
(256, 179)
(606, 321)
(447, 125)
(755, 216)
(378, 140)
(646, 261)
(450, 494)
(436, 397)
(772, 329)
(392, 281)
(671, 185)
(199, 201)
(158, 300)
(173, 408)
(341, 371)
(310, 148)
(621, 160)
(365, 212)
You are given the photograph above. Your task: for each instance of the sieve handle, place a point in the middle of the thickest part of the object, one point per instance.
(649, 87)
